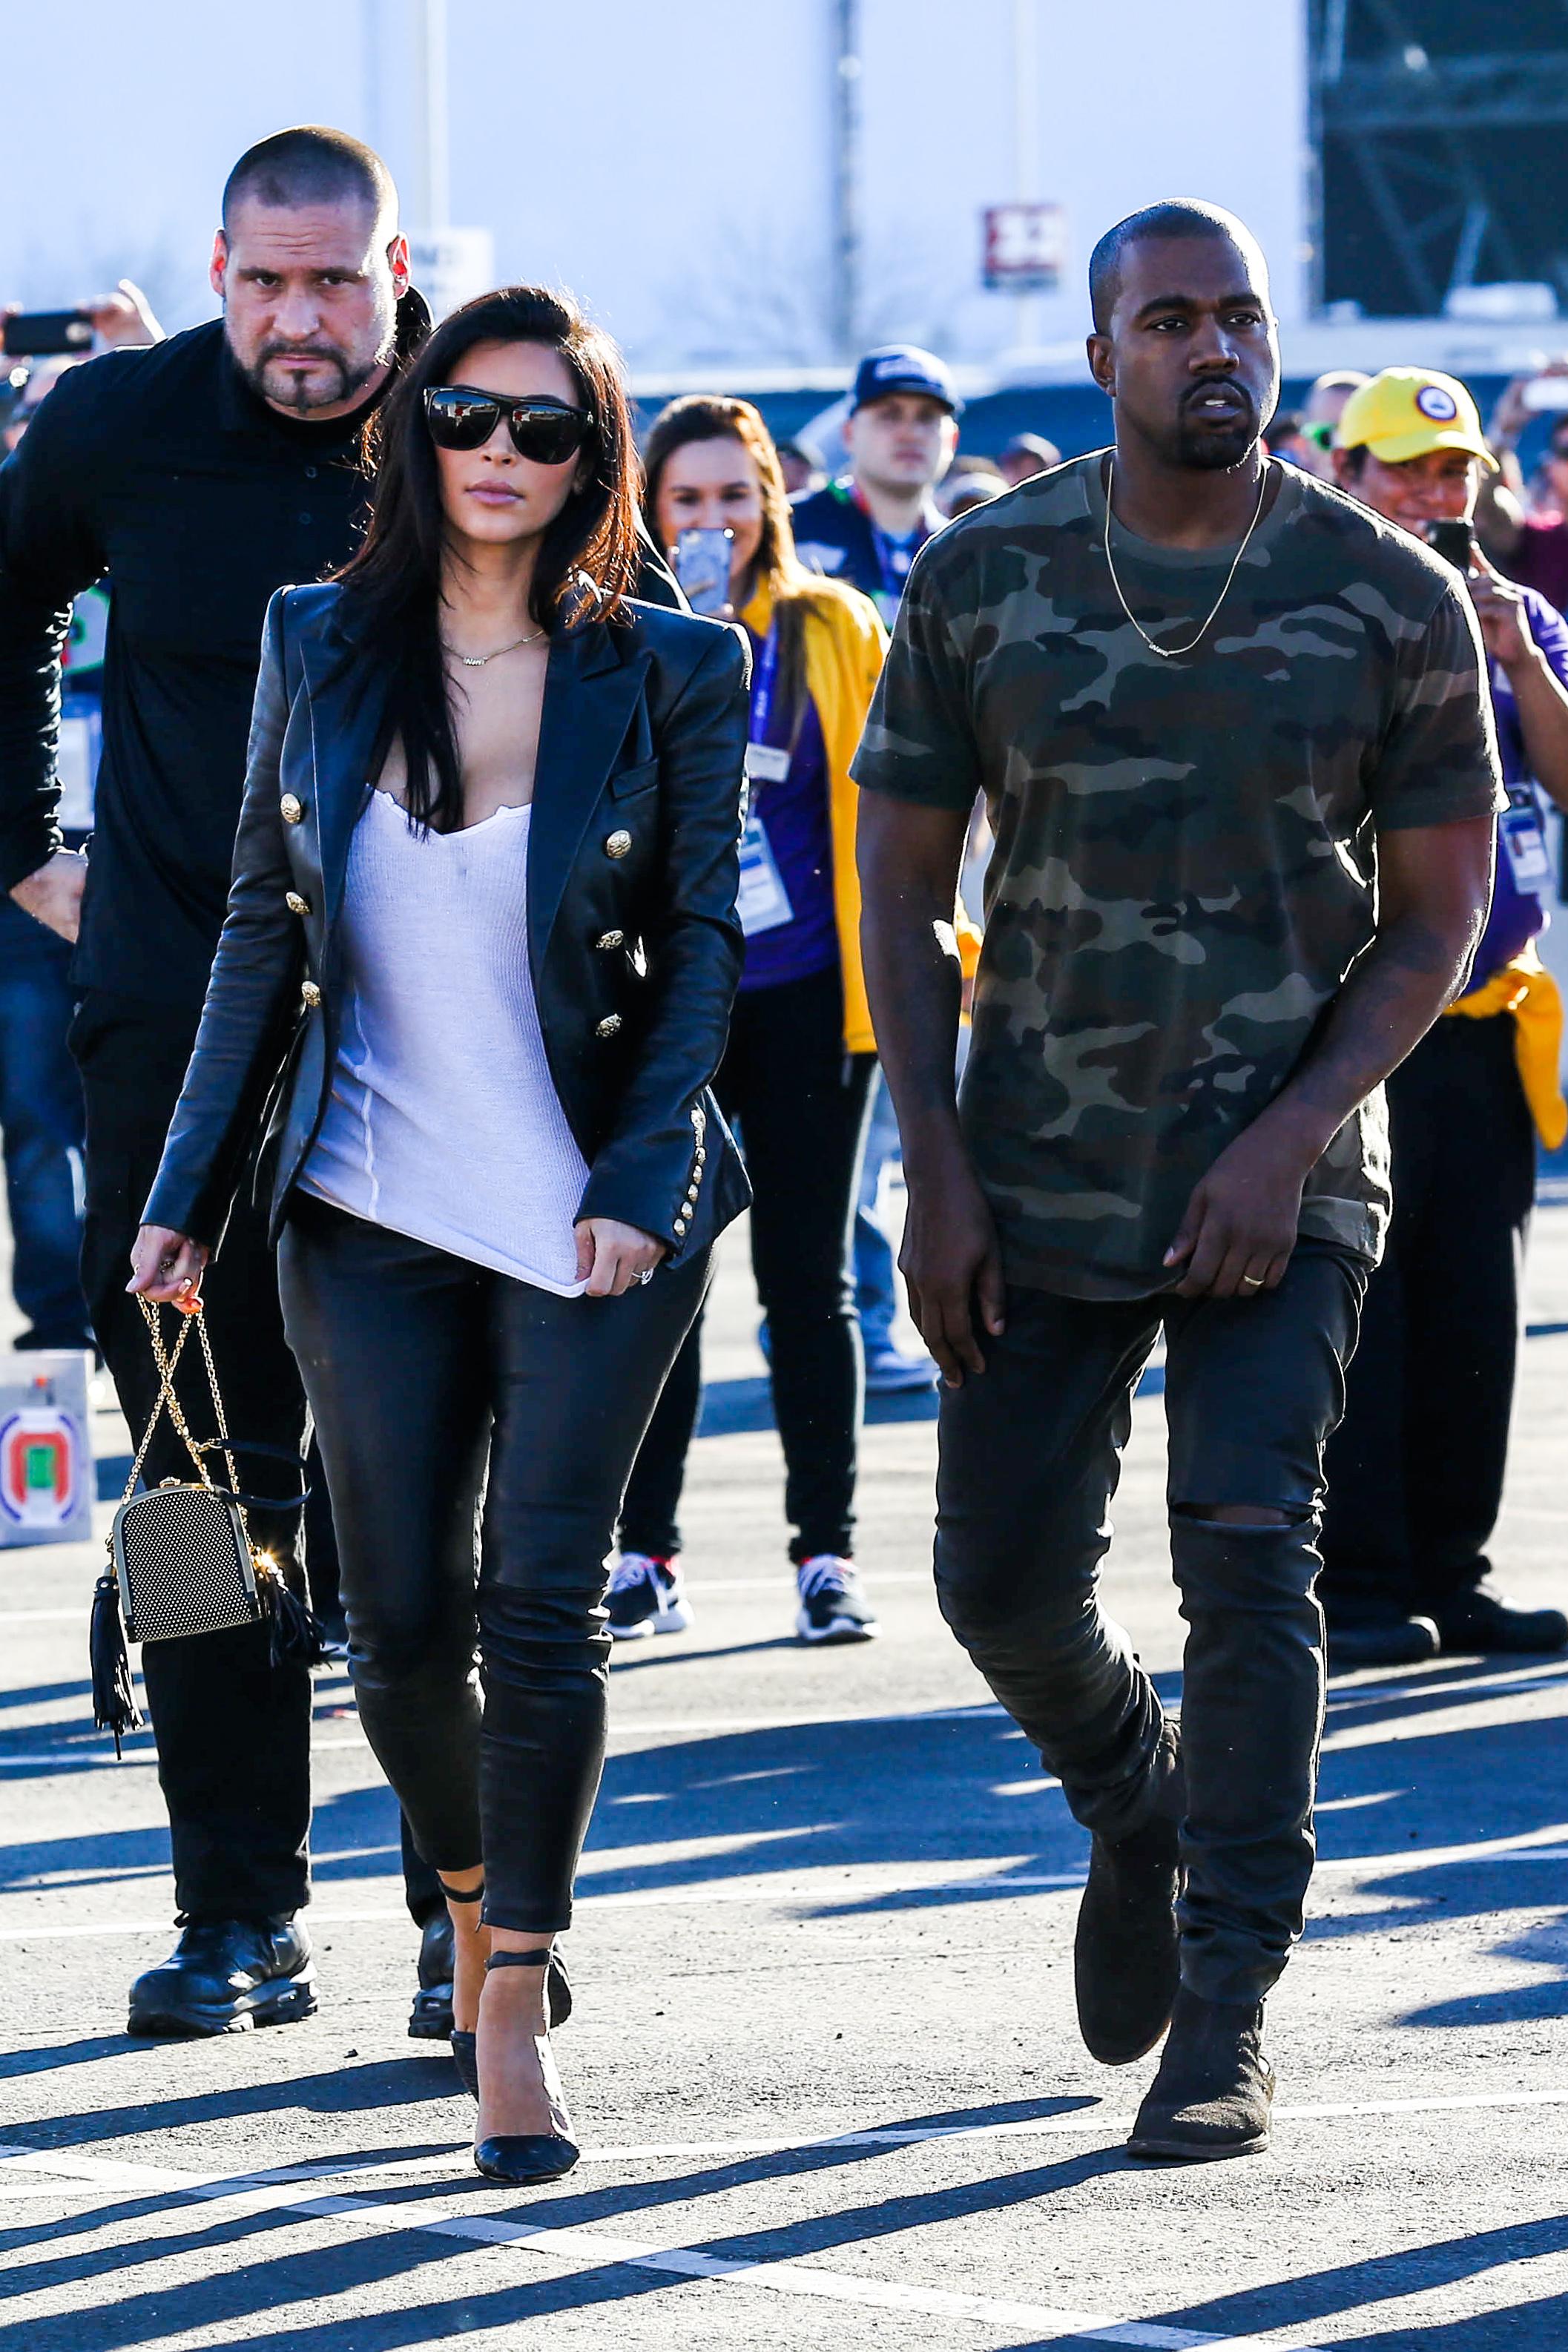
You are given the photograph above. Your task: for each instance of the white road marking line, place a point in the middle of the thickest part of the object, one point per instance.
(1095, 2120)
(44, 1762)
(698, 1586)
(1455, 1684)
(245, 2193)
(652, 1898)
(863, 1885)
(79, 1616)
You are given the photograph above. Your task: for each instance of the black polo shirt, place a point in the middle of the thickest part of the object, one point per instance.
(163, 469)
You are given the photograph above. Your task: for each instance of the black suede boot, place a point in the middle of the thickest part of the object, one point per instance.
(1126, 1963)
(1214, 2088)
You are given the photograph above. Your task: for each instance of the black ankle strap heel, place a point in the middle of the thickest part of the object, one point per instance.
(525, 2160)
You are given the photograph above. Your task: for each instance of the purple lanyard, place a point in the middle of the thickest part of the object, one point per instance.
(762, 685)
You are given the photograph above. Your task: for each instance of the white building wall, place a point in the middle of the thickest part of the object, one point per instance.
(671, 161)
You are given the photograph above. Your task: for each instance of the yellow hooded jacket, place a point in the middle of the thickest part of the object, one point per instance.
(846, 644)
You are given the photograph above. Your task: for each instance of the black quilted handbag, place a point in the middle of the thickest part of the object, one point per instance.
(182, 1560)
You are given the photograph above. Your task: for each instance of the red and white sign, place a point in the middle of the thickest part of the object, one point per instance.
(1025, 248)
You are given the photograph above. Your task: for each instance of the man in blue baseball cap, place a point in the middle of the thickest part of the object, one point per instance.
(866, 529)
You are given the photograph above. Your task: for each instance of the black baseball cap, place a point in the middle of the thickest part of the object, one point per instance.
(903, 367)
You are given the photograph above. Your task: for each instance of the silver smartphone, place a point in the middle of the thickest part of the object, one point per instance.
(702, 568)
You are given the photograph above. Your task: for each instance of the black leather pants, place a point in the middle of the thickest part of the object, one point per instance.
(1030, 1457)
(434, 1384)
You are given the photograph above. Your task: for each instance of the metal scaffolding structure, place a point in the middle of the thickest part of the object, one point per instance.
(1439, 154)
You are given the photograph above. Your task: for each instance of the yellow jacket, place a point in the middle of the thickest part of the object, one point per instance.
(1526, 990)
(844, 647)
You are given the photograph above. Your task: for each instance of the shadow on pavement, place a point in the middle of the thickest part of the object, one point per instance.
(351, 2262)
(961, 1793)
(1384, 2278)
(425, 2076)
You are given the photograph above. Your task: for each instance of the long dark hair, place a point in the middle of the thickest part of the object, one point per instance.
(710, 416)
(587, 559)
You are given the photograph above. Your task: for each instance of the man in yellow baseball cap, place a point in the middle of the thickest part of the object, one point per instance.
(1410, 413)
(1415, 1472)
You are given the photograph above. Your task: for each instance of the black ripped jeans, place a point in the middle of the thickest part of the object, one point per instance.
(435, 1382)
(1030, 1456)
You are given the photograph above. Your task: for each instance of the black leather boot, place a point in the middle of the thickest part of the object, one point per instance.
(1214, 2088)
(1390, 1640)
(431, 2019)
(225, 1975)
(1484, 1622)
(1126, 1961)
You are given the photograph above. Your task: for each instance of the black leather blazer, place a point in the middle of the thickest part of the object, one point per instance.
(632, 937)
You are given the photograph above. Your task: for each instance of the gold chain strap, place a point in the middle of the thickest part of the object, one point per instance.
(168, 1363)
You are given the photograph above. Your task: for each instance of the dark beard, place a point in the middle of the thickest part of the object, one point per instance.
(1213, 451)
(300, 397)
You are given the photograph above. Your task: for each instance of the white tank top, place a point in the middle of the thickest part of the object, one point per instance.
(444, 1122)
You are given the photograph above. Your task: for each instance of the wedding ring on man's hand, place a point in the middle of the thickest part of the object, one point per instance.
(1252, 1282)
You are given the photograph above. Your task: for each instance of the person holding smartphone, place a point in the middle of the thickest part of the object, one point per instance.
(480, 951)
(1536, 550)
(1416, 1469)
(798, 1068)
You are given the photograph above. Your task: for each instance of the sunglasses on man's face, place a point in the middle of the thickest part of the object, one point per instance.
(547, 431)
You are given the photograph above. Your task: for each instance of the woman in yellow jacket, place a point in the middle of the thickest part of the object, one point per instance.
(797, 1072)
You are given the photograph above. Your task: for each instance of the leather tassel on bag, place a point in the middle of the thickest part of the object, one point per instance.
(114, 1704)
(293, 1631)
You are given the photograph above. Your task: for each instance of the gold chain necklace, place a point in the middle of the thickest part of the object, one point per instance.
(482, 661)
(1172, 652)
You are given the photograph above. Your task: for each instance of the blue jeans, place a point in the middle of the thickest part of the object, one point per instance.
(42, 1120)
(876, 1294)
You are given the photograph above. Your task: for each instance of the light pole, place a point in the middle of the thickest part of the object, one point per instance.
(847, 75)
(1026, 150)
(435, 144)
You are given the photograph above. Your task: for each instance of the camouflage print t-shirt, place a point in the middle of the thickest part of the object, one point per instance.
(1185, 868)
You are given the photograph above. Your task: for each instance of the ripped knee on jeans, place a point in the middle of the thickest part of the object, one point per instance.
(1240, 1514)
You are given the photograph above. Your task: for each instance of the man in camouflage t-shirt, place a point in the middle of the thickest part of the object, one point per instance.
(1240, 770)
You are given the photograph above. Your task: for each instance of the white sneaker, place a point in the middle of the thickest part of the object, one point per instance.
(832, 1606)
(646, 1596)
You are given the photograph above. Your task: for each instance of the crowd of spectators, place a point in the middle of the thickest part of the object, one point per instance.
(860, 507)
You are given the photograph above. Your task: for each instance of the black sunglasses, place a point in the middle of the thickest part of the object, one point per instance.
(547, 431)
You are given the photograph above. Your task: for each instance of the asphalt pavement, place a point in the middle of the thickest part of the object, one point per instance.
(823, 2062)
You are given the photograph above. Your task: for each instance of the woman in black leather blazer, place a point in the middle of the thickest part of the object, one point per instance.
(444, 1202)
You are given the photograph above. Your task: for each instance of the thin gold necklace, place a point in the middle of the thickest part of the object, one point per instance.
(482, 661)
(1172, 653)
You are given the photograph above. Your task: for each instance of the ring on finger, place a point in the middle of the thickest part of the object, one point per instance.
(1252, 1282)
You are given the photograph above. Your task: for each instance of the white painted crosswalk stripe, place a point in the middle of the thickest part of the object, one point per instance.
(247, 2194)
